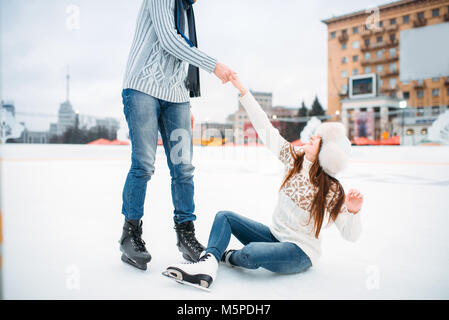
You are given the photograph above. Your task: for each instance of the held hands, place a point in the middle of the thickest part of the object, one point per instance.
(235, 80)
(223, 72)
(353, 201)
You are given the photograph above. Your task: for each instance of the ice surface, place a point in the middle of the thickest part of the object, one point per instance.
(62, 221)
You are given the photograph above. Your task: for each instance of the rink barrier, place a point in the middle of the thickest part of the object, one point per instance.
(424, 163)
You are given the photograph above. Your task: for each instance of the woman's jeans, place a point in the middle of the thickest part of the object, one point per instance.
(261, 248)
(146, 115)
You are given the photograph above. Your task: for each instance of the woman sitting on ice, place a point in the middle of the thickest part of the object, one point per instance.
(309, 198)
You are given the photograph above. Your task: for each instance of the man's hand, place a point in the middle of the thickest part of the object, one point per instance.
(353, 201)
(223, 72)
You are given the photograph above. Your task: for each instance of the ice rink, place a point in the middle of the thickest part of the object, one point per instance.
(62, 221)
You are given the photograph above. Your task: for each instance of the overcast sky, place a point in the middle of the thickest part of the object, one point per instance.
(276, 46)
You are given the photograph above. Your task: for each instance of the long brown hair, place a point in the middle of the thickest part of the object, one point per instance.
(323, 182)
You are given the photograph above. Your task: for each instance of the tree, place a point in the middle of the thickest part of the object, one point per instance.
(317, 109)
(303, 112)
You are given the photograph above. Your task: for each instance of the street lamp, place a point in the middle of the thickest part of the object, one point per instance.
(403, 107)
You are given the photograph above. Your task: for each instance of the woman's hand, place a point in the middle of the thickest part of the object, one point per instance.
(353, 201)
(238, 84)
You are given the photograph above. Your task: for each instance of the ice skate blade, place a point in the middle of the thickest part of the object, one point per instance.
(134, 263)
(177, 276)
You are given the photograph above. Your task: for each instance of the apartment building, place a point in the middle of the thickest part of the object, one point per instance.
(367, 43)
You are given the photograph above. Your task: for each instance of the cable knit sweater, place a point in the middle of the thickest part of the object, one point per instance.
(159, 55)
(291, 215)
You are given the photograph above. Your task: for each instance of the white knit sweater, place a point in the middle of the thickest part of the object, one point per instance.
(290, 222)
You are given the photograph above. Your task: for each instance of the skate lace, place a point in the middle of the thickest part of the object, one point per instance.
(136, 240)
(192, 242)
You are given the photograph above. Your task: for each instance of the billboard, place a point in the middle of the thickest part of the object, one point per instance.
(363, 86)
(424, 52)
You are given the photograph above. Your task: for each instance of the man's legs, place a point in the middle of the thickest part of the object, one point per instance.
(176, 132)
(141, 112)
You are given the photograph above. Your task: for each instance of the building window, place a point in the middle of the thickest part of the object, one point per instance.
(381, 83)
(367, 42)
(435, 12)
(344, 60)
(420, 93)
(435, 92)
(379, 39)
(355, 45)
(343, 46)
(406, 95)
(393, 21)
(381, 23)
(367, 69)
(406, 19)
(393, 82)
(379, 68)
(420, 112)
(392, 52)
(420, 15)
(392, 37)
(355, 58)
(344, 74)
(367, 56)
(392, 67)
(333, 35)
(355, 72)
(380, 53)
(344, 89)
(436, 79)
(435, 110)
(355, 30)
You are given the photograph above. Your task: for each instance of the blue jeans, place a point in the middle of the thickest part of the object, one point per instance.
(261, 248)
(145, 115)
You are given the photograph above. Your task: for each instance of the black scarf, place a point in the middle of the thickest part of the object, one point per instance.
(193, 75)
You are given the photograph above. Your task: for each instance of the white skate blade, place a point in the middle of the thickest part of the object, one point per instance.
(168, 275)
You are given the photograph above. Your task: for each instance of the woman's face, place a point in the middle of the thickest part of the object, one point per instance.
(312, 148)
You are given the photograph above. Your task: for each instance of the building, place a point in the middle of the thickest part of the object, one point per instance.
(9, 106)
(359, 48)
(241, 124)
(240, 117)
(66, 115)
(36, 137)
(111, 124)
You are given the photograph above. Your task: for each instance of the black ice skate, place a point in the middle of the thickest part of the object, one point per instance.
(132, 245)
(187, 243)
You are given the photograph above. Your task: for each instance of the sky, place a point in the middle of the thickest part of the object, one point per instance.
(275, 46)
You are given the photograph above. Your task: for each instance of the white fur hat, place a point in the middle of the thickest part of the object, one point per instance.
(335, 147)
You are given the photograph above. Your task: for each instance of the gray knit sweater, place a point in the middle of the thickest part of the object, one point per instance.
(157, 63)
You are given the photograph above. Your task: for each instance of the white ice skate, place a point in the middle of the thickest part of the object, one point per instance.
(200, 274)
